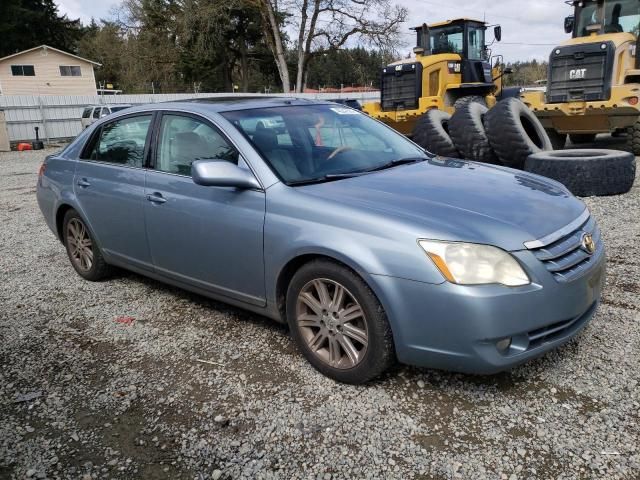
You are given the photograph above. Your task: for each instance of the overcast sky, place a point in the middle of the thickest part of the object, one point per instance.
(529, 28)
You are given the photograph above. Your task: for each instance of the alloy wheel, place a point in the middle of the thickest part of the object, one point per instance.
(332, 323)
(80, 245)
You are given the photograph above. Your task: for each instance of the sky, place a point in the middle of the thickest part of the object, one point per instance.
(530, 29)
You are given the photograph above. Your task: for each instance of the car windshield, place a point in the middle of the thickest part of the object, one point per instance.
(117, 109)
(322, 142)
(619, 16)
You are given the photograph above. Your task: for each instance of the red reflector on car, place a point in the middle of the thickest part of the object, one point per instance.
(42, 169)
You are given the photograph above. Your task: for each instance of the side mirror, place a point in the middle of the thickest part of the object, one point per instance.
(221, 173)
(569, 24)
(497, 32)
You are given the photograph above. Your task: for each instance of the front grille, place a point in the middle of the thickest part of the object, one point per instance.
(401, 87)
(565, 258)
(557, 330)
(580, 73)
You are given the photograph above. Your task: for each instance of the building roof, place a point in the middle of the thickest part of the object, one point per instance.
(47, 47)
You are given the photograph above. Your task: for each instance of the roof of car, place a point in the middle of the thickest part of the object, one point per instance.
(230, 103)
(224, 104)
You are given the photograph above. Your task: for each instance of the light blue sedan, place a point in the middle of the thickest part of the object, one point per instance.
(314, 214)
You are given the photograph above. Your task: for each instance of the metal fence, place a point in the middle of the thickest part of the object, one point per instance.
(58, 116)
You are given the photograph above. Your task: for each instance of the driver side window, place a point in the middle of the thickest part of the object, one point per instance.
(184, 140)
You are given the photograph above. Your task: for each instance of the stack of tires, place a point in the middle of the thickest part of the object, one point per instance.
(509, 134)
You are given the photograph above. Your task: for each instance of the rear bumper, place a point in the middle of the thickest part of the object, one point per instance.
(456, 328)
(586, 117)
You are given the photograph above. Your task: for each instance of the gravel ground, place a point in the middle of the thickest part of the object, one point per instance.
(195, 389)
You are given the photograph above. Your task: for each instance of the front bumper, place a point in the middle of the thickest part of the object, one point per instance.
(456, 328)
(601, 116)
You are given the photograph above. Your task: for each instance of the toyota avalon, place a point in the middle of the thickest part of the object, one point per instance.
(311, 213)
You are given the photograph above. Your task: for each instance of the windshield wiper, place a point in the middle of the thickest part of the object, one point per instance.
(399, 161)
(340, 176)
(327, 178)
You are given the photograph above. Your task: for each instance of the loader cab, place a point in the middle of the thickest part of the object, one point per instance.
(463, 37)
(598, 17)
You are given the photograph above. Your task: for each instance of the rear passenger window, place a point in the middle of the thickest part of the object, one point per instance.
(86, 113)
(184, 140)
(122, 142)
(96, 112)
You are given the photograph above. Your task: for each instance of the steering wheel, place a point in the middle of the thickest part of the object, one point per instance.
(338, 151)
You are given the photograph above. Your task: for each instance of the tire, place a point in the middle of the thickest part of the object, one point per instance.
(587, 172)
(633, 138)
(432, 133)
(96, 268)
(515, 133)
(580, 138)
(462, 101)
(468, 134)
(374, 357)
(558, 140)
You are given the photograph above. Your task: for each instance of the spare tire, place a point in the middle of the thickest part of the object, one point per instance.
(587, 172)
(515, 132)
(431, 132)
(466, 128)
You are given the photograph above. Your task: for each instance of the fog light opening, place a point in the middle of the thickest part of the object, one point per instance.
(504, 344)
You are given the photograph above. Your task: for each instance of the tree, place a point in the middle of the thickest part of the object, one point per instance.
(26, 24)
(324, 25)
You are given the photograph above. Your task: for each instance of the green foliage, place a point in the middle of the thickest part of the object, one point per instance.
(26, 24)
(526, 73)
(347, 67)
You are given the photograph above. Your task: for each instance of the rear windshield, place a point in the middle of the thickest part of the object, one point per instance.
(86, 113)
(117, 109)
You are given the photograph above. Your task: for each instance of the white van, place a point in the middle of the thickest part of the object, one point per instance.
(94, 112)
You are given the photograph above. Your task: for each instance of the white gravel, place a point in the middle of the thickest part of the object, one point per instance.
(196, 389)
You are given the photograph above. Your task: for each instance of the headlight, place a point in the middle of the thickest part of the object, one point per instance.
(473, 264)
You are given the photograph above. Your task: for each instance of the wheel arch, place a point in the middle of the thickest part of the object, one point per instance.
(286, 273)
(61, 211)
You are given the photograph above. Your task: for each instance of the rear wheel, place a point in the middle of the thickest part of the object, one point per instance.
(580, 138)
(83, 252)
(338, 323)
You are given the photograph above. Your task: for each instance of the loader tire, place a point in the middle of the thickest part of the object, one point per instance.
(469, 99)
(587, 172)
(633, 138)
(468, 134)
(515, 132)
(432, 133)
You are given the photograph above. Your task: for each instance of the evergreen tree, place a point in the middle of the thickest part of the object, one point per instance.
(26, 24)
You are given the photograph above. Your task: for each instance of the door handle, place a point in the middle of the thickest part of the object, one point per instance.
(156, 198)
(84, 183)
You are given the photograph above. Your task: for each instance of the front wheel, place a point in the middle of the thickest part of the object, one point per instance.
(338, 323)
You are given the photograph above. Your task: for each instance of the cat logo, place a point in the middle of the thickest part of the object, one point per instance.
(577, 74)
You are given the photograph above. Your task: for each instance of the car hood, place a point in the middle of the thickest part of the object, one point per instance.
(451, 199)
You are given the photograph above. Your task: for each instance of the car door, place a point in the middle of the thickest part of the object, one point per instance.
(109, 187)
(209, 237)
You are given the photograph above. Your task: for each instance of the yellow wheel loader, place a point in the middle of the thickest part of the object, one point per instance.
(452, 64)
(593, 83)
